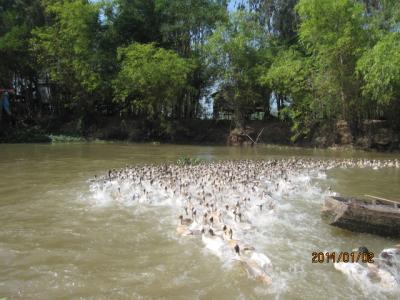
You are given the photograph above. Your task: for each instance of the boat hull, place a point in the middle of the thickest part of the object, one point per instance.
(362, 216)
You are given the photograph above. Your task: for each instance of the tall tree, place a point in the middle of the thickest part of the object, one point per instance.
(380, 70)
(67, 50)
(277, 17)
(333, 33)
(185, 27)
(17, 67)
(238, 51)
(135, 21)
(151, 79)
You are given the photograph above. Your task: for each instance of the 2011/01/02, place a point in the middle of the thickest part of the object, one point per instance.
(346, 257)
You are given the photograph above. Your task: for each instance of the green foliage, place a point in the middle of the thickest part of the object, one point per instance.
(383, 16)
(334, 35)
(65, 139)
(185, 25)
(156, 59)
(17, 18)
(238, 53)
(285, 20)
(288, 74)
(301, 114)
(28, 135)
(134, 21)
(188, 161)
(330, 27)
(150, 78)
(380, 70)
(65, 49)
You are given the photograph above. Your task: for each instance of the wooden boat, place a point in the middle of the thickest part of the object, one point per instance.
(380, 216)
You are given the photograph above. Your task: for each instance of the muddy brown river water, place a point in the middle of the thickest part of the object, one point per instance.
(58, 241)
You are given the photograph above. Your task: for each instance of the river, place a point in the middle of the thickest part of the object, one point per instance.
(58, 242)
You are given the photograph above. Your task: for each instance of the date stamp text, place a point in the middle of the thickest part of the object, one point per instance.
(346, 257)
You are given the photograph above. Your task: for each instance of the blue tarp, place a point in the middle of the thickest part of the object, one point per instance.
(6, 103)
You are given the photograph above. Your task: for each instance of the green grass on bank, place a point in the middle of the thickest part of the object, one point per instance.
(65, 139)
(184, 161)
(31, 136)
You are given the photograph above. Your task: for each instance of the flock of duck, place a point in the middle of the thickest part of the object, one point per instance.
(383, 273)
(219, 201)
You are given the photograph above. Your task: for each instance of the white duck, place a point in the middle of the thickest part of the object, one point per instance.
(253, 267)
(212, 242)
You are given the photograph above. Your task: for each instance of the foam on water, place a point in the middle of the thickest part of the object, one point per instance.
(287, 220)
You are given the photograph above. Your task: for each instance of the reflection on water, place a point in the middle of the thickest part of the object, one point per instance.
(57, 242)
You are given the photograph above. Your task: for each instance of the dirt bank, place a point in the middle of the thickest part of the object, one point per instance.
(371, 134)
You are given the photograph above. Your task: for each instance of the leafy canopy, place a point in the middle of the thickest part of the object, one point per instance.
(380, 70)
(334, 36)
(150, 77)
(67, 48)
(238, 51)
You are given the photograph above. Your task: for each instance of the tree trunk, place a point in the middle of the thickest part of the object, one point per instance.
(239, 119)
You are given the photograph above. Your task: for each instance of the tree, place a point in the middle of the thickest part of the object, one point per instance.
(334, 35)
(135, 21)
(288, 75)
(150, 79)
(289, 78)
(185, 27)
(383, 15)
(379, 68)
(286, 21)
(238, 51)
(17, 67)
(278, 17)
(67, 49)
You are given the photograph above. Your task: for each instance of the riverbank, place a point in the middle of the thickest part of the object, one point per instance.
(370, 135)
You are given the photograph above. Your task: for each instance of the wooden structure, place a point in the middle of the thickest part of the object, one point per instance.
(223, 109)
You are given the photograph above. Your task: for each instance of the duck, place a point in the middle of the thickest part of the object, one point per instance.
(389, 259)
(185, 221)
(212, 242)
(361, 249)
(252, 267)
(229, 239)
(194, 213)
(227, 193)
(227, 233)
(359, 273)
(382, 272)
(183, 230)
(183, 227)
(261, 259)
(195, 228)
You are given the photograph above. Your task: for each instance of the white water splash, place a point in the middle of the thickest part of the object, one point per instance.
(287, 201)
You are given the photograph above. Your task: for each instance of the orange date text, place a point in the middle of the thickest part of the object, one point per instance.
(346, 257)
